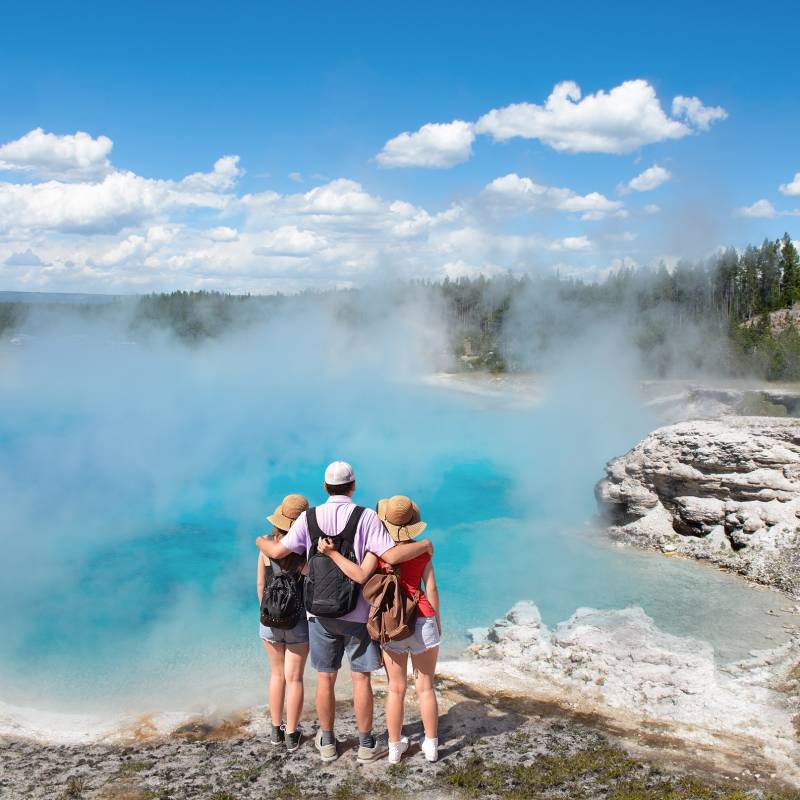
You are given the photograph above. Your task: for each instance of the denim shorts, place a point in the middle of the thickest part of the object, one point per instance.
(425, 636)
(296, 635)
(330, 639)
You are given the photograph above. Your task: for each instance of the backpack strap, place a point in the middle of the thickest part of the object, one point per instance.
(314, 531)
(348, 534)
(275, 567)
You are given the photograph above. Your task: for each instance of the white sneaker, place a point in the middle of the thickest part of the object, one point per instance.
(430, 748)
(396, 750)
(327, 752)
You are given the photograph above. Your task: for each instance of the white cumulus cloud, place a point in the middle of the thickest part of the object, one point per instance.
(290, 241)
(695, 113)
(648, 180)
(136, 248)
(433, 145)
(338, 197)
(222, 178)
(222, 233)
(74, 156)
(761, 209)
(572, 243)
(124, 232)
(512, 193)
(121, 199)
(791, 188)
(618, 121)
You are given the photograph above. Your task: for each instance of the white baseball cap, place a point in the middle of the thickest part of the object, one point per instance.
(339, 472)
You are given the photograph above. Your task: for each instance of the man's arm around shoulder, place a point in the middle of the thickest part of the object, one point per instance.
(272, 549)
(405, 552)
(382, 545)
(293, 542)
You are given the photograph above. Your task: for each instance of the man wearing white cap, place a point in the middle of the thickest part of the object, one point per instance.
(331, 637)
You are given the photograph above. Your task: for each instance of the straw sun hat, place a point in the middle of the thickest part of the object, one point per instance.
(401, 516)
(291, 507)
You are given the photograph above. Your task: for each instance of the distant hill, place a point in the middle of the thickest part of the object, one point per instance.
(59, 297)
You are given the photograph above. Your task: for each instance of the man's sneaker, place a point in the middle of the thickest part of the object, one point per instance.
(278, 734)
(327, 752)
(396, 750)
(293, 740)
(378, 750)
(430, 748)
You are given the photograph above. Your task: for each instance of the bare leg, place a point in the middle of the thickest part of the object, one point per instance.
(326, 699)
(424, 672)
(362, 700)
(294, 665)
(277, 683)
(396, 667)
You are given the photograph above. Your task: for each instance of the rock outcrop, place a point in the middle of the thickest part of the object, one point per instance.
(726, 490)
(675, 401)
(618, 664)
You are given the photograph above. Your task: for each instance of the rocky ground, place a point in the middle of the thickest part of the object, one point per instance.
(617, 665)
(513, 390)
(676, 400)
(725, 490)
(494, 745)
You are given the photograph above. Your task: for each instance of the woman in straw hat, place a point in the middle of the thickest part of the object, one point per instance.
(287, 649)
(401, 516)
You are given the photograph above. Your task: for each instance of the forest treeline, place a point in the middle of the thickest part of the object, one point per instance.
(711, 315)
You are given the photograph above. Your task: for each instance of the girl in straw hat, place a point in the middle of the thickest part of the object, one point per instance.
(287, 649)
(401, 516)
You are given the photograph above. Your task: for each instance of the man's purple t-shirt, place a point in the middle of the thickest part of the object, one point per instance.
(332, 517)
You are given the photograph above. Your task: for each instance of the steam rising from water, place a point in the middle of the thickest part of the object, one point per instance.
(135, 475)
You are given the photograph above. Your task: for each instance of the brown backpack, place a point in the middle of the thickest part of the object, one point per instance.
(392, 613)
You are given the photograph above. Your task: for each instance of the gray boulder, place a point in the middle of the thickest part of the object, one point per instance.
(726, 490)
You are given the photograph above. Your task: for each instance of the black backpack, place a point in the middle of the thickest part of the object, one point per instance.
(329, 592)
(282, 601)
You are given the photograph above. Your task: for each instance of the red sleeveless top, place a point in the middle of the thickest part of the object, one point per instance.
(410, 578)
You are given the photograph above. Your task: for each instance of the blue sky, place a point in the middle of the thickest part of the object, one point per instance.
(316, 90)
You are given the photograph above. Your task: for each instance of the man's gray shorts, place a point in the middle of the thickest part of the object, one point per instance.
(330, 639)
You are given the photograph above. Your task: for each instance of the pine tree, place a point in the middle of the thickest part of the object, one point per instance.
(770, 276)
(725, 280)
(789, 340)
(790, 271)
(751, 301)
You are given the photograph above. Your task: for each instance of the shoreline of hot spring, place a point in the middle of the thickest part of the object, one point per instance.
(658, 696)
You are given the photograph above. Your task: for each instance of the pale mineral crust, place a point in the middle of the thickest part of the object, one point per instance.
(726, 490)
